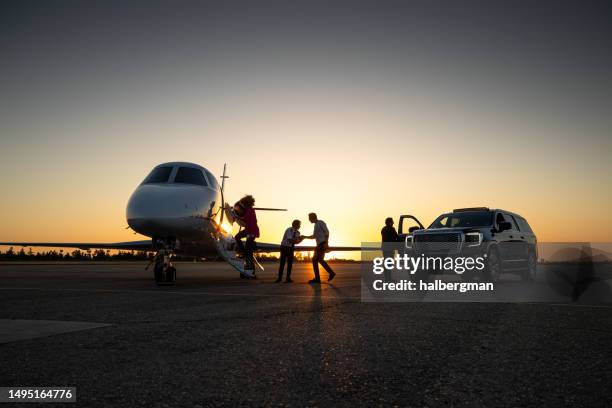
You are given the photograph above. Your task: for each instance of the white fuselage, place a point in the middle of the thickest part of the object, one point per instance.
(180, 206)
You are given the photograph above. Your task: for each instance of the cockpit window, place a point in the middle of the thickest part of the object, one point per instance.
(212, 180)
(158, 175)
(190, 175)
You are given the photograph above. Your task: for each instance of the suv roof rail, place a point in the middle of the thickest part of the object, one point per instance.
(471, 209)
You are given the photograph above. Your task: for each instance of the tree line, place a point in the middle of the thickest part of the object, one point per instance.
(107, 255)
(76, 255)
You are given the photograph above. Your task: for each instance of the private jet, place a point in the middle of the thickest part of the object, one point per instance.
(181, 207)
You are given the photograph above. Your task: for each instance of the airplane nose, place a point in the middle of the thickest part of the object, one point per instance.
(163, 209)
(146, 202)
(151, 208)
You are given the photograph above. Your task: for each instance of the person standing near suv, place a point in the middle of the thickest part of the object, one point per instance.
(388, 234)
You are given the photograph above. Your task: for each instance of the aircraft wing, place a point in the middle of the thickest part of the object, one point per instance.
(265, 247)
(145, 245)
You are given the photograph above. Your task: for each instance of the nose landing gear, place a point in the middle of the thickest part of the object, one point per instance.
(163, 271)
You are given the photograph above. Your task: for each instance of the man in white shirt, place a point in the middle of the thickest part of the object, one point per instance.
(321, 235)
(292, 236)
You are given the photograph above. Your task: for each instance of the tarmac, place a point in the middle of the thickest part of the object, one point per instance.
(216, 340)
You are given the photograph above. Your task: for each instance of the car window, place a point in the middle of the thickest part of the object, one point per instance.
(524, 225)
(499, 218)
(463, 219)
(158, 175)
(442, 222)
(512, 222)
(190, 175)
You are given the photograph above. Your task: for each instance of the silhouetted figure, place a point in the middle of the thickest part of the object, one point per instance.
(292, 236)
(209, 214)
(250, 231)
(389, 234)
(321, 235)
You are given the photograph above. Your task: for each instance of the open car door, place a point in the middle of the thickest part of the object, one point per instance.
(407, 224)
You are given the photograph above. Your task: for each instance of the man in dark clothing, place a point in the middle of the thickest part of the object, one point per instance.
(389, 234)
(292, 236)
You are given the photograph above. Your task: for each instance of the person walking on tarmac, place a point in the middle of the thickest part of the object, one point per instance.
(321, 235)
(250, 231)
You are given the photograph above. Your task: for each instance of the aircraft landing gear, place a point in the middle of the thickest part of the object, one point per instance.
(163, 271)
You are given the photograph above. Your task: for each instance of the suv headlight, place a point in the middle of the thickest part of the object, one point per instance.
(473, 239)
(408, 241)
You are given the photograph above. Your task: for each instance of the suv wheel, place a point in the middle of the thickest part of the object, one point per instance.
(493, 266)
(529, 274)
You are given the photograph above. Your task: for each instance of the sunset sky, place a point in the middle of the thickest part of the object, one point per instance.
(356, 110)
